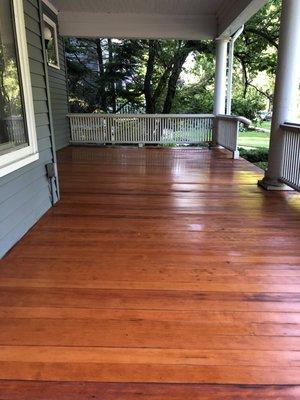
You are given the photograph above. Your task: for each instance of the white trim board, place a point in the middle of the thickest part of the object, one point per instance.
(52, 23)
(50, 6)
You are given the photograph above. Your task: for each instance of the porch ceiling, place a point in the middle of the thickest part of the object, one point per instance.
(178, 19)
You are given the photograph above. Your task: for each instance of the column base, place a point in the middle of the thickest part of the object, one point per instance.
(270, 184)
(236, 155)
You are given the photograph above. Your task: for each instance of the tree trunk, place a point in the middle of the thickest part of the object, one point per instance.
(179, 60)
(150, 106)
(101, 93)
(112, 76)
(162, 83)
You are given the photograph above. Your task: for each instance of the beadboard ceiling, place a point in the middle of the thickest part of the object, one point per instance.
(175, 7)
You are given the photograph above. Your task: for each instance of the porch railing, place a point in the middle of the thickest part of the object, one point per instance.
(140, 128)
(226, 132)
(291, 155)
(14, 129)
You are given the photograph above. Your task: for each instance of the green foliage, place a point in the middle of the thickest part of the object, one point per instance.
(248, 105)
(102, 72)
(257, 47)
(256, 58)
(262, 164)
(197, 97)
(259, 157)
(254, 155)
(193, 99)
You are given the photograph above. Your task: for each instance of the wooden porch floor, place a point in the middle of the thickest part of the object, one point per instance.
(161, 274)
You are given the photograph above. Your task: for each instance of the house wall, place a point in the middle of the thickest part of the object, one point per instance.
(25, 193)
(58, 92)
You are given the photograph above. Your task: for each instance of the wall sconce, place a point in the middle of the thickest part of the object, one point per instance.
(47, 36)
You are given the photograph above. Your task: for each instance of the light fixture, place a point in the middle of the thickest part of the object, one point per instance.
(47, 35)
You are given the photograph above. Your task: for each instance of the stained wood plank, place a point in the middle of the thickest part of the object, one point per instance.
(203, 316)
(133, 391)
(153, 373)
(148, 299)
(108, 355)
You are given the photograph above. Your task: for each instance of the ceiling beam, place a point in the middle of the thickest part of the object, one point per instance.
(137, 25)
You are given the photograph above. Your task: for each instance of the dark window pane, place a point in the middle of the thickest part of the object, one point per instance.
(13, 134)
(51, 45)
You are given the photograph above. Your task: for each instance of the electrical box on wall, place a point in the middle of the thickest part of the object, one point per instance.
(51, 170)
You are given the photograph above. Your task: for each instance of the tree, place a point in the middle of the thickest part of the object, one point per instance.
(256, 56)
(101, 72)
(164, 64)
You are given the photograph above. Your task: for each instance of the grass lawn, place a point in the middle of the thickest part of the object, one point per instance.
(265, 125)
(254, 139)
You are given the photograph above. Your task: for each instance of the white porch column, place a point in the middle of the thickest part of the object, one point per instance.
(286, 88)
(220, 83)
(220, 77)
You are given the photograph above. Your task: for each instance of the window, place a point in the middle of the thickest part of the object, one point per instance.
(50, 33)
(18, 144)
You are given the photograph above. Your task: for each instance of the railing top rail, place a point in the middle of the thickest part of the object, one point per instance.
(291, 126)
(13, 117)
(141, 115)
(244, 120)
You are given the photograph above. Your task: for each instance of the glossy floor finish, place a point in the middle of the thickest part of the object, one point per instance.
(161, 274)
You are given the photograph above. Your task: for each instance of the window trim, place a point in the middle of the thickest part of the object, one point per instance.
(19, 158)
(52, 23)
(51, 6)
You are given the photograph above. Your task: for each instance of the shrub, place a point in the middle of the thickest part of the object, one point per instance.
(258, 157)
(254, 155)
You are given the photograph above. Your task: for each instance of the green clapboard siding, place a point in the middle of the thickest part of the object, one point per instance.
(25, 194)
(58, 92)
